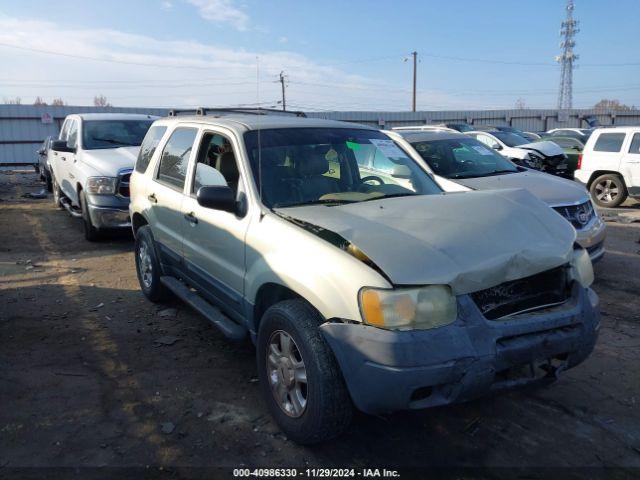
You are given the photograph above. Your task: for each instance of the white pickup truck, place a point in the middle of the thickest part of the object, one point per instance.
(91, 163)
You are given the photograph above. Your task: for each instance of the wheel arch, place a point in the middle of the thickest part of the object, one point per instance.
(138, 220)
(598, 173)
(267, 295)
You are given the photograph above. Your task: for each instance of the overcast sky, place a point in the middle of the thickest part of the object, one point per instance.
(337, 55)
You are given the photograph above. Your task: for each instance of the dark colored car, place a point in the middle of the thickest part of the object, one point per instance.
(572, 148)
(43, 165)
(460, 127)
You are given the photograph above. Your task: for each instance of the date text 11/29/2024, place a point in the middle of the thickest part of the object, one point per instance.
(315, 473)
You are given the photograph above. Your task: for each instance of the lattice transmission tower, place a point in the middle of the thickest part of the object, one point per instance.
(567, 58)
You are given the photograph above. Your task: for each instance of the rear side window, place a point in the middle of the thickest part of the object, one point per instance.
(635, 144)
(609, 142)
(148, 147)
(175, 157)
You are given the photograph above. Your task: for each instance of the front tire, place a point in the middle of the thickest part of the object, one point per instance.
(148, 266)
(300, 378)
(608, 190)
(91, 233)
(57, 192)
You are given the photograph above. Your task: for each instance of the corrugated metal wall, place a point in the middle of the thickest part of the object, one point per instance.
(22, 128)
(527, 120)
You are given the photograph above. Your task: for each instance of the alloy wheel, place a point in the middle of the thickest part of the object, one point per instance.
(607, 191)
(145, 264)
(287, 374)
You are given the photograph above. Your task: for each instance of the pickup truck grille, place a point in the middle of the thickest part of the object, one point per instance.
(578, 215)
(540, 290)
(123, 184)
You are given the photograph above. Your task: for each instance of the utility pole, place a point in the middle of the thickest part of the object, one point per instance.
(567, 59)
(415, 68)
(284, 101)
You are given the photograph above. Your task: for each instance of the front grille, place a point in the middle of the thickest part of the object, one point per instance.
(578, 215)
(540, 290)
(123, 184)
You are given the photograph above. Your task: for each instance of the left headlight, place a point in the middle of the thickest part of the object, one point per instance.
(582, 268)
(101, 185)
(408, 309)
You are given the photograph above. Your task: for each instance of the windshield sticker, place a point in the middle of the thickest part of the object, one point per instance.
(353, 145)
(482, 150)
(388, 148)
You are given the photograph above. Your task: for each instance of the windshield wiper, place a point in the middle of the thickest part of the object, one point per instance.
(391, 195)
(326, 201)
(113, 141)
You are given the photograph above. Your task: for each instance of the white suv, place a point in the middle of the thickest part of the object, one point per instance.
(610, 165)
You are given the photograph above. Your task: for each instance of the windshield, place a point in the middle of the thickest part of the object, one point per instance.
(510, 139)
(98, 134)
(462, 158)
(332, 166)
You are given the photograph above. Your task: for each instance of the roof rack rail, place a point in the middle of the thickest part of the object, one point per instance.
(203, 111)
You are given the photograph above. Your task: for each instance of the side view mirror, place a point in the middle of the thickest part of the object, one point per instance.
(497, 146)
(217, 198)
(61, 146)
(41, 151)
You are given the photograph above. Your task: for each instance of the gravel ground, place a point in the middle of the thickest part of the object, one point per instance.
(94, 375)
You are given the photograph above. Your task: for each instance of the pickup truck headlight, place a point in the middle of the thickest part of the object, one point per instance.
(582, 268)
(101, 185)
(407, 309)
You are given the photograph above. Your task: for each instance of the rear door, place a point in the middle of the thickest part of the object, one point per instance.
(606, 153)
(166, 194)
(630, 165)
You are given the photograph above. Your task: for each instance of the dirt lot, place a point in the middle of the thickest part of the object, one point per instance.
(92, 374)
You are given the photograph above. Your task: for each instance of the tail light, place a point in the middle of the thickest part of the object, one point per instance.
(579, 161)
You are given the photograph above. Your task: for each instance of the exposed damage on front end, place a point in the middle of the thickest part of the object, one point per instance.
(524, 312)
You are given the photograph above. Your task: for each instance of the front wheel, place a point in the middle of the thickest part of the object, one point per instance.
(57, 193)
(608, 190)
(299, 375)
(91, 233)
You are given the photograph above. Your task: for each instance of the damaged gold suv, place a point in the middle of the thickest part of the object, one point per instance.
(375, 291)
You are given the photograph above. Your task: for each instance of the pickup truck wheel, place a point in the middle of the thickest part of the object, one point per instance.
(148, 266)
(57, 193)
(299, 375)
(91, 233)
(608, 190)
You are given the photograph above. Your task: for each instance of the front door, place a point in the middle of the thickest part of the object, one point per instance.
(214, 251)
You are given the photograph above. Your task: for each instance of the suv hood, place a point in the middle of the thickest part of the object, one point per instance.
(470, 241)
(553, 190)
(108, 161)
(546, 148)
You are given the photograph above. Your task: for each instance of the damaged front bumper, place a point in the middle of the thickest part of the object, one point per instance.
(396, 370)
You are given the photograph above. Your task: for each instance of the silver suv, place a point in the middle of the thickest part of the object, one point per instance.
(383, 293)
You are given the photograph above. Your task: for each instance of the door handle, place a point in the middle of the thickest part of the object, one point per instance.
(63, 159)
(191, 218)
(152, 198)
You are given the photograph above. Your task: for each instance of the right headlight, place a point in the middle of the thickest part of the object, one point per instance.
(408, 309)
(582, 268)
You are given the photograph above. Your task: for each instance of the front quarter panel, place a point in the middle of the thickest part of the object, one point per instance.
(327, 277)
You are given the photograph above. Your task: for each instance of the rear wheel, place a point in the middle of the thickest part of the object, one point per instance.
(608, 190)
(148, 266)
(91, 233)
(299, 375)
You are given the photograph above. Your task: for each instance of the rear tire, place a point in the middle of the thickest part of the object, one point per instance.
(608, 190)
(318, 410)
(148, 267)
(91, 233)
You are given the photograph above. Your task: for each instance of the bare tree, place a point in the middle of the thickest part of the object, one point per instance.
(101, 101)
(520, 104)
(615, 105)
(39, 101)
(13, 101)
(58, 102)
